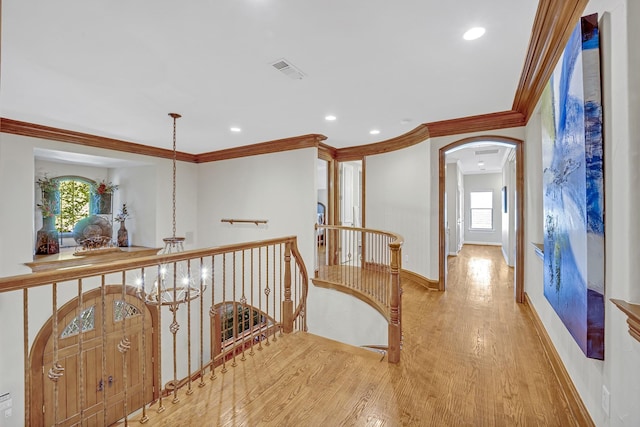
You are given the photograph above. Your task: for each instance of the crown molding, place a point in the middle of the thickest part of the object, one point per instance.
(286, 144)
(552, 27)
(483, 122)
(414, 136)
(16, 127)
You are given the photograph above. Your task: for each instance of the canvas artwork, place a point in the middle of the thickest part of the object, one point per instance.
(573, 182)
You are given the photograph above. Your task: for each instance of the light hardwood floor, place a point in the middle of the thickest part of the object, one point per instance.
(470, 357)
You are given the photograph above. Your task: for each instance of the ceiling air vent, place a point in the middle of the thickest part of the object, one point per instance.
(481, 152)
(287, 68)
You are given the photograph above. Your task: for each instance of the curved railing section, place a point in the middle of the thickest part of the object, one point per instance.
(228, 301)
(366, 264)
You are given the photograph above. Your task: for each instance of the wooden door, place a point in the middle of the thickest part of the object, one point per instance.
(98, 386)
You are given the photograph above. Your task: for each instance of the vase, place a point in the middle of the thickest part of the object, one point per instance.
(123, 235)
(47, 238)
(102, 203)
(52, 199)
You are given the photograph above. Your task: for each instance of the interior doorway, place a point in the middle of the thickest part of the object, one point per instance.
(98, 376)
(516, 208)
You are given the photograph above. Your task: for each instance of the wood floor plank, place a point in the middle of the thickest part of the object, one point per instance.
(470, 357)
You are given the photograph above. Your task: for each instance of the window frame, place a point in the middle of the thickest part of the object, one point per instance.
(92, 184)
(491, 210)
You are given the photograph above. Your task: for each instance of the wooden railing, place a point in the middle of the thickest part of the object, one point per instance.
(364, 263)
(105, 352)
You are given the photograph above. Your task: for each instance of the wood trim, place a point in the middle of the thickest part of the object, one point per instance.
(427, 283)
(633, 316)
(552, 26)
(286, 144)
(574, 402)
(16, 127)
(413, 137)
(326, 152)
(442, 235)
(483, 122)
(13, 283)
(519, 227)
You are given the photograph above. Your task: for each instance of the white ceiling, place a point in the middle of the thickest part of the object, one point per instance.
(116, 68)
(480, 157)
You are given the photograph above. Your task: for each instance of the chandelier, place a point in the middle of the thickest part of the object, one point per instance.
(174, 283)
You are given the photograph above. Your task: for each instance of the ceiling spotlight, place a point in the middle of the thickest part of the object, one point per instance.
(235, 129)
(330, 118)
(474, 33)
(481, 163)
(374, 131)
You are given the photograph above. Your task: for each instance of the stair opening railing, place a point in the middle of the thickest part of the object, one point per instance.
(105, 351)
(366, 264)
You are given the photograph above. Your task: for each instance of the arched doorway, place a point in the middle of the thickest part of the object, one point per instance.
(103, 378)
(519, 205)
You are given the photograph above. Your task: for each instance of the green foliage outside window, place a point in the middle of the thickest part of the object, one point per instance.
(74, 203)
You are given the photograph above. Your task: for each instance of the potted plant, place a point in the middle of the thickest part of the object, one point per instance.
(102, 192)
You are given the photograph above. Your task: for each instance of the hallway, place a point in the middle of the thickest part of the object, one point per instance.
(470, 357)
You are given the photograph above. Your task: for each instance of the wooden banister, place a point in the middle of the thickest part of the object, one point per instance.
(365, 264)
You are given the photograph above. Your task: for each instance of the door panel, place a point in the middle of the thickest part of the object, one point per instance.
(96, 385)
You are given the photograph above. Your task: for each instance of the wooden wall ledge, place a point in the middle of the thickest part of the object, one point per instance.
(633, 313)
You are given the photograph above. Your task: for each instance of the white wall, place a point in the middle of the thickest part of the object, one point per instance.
(451, 226)
(620, 38)
(281, 188)
(484, 182)
(398, 200)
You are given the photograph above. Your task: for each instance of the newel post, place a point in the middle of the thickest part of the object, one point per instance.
(395, 334)
(287, 304)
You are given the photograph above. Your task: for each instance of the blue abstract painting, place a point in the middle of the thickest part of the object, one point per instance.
(573, 183)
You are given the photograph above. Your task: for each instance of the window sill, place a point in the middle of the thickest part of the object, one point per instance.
(67, 259)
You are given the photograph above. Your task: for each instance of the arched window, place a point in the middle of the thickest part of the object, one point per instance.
(75, 201)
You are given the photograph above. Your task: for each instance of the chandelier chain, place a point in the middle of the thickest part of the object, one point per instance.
(175, 116)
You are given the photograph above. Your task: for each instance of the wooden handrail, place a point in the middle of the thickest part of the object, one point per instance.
(365, 263)
(252, 221)
(25, 281)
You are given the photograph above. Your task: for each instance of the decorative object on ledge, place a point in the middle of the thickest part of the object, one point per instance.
(93, 232)
(633, 313)
(123, 234)
(102, 194)
(47, 238)
(257, 222)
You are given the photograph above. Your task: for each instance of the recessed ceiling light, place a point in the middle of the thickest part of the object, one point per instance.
(481, 163)
(474, 33)
(235, 129)
(374, 131)
(330, 118)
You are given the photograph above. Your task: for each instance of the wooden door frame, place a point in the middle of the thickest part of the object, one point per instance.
(519, 196)
(36, 356)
